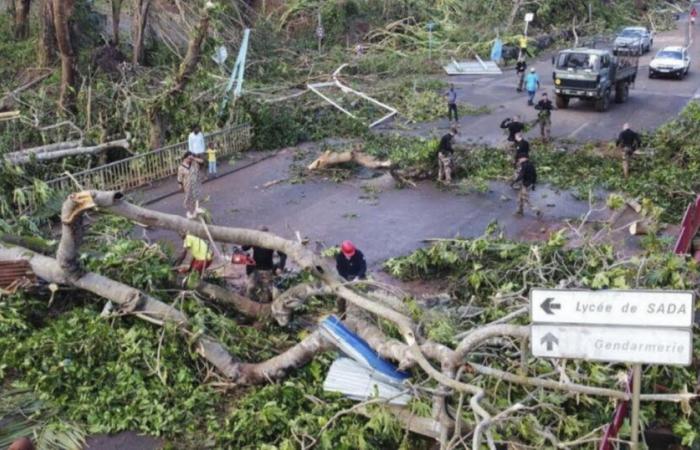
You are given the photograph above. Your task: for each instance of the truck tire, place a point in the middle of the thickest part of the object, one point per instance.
(562, 101)
(622, 92)
(603, 103)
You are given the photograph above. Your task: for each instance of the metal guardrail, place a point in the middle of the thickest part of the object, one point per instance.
(140, 170)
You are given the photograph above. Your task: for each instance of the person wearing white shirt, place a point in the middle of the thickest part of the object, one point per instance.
(195, 141)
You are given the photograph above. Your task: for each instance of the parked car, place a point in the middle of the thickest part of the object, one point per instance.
(634, 40)
(671, 61)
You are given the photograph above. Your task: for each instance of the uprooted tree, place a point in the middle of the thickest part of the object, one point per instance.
(361, 306)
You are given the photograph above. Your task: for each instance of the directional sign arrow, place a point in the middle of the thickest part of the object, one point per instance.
(550, 340)
(548, 306)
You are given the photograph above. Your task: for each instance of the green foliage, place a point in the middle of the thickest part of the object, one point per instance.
(406, 152)
(494, 273)
(16, 55)
(23, 414)
(286, 124)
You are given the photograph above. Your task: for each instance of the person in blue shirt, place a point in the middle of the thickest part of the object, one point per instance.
(532, 83)
(452, 103)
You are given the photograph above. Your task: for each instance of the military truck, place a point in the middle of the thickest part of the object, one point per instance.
(593, 75)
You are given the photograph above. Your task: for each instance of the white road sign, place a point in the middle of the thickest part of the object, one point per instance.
(613, 307)
(529, 17)
(620, 344)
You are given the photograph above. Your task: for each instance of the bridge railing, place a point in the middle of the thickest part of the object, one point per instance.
(140, 170)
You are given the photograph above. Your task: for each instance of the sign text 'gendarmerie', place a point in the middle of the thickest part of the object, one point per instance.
(613, 307)
(619, 344)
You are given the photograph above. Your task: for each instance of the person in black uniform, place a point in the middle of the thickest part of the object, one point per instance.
(262, 272)
(629, 142)
(445, 152)
(514, 126)
(350, 262)
(544, 116)
(527, 176)
(520, 69)
(522, 148)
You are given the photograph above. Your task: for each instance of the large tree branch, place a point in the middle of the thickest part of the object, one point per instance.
(62, 150)
(242, 304)
(576, 388)
(482, 334)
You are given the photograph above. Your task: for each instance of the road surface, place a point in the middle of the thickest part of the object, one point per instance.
(651, 102)
(386, 222)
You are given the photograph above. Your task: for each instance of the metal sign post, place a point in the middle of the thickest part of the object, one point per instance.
(636, 391)
(320, 32)
(528, 18)
(627, 326)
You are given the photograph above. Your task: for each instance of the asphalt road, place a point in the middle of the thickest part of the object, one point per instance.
(385, 221)
(651, 102)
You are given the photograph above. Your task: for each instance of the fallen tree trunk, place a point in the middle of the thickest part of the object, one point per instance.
(135, 302)
(62, 150)
(330, 158)
(65, 270)
(242, 304)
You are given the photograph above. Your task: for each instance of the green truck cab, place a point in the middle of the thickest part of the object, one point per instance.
(593, 75)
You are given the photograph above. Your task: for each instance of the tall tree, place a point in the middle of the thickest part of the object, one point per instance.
(21, 8)
(157, 110)
(116, 16)
(47, 41)
(62, 12)
(139, 18)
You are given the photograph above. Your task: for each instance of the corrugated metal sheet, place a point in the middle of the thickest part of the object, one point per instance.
(16, 274)
(478, 67)
(358, 383)
(356, 348)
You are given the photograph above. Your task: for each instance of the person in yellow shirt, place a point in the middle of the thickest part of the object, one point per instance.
(199, 251)
(211, 157)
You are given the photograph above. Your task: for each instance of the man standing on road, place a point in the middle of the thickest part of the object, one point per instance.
(452, 103)
(520, 68)
(527, 176)
(522, 147)
(350, 262)
(514, 126)
(532, 83)
(445, 152)
(629, 142)
(195, 141)
(544, 116)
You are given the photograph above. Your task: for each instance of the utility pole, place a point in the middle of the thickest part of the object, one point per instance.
(431, 25)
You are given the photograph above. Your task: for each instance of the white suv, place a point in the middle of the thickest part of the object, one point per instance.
(672, 61)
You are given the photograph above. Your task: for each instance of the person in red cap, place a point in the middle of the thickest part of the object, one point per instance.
(350, 262)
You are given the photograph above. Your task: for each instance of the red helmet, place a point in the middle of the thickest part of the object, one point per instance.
(348, 248)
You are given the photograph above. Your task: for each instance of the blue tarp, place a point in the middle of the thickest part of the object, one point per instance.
(496, 50)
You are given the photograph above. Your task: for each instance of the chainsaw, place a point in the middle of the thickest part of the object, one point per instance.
(241, 257)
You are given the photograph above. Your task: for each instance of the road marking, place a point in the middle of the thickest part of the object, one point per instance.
(578, 130)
